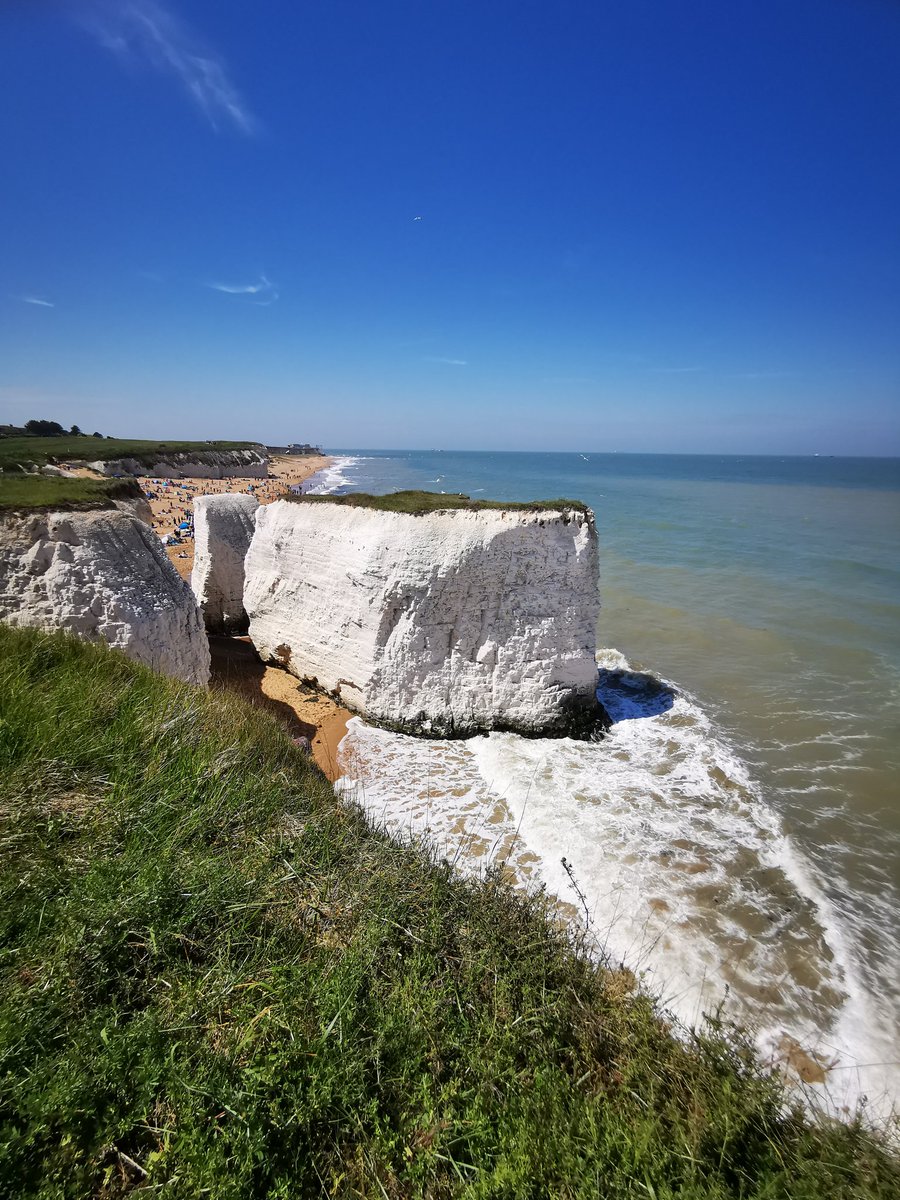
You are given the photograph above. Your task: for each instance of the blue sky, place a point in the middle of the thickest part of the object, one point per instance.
(666, 225)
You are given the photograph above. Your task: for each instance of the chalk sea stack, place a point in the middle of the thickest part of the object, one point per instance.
(450, 620)
(223, 527)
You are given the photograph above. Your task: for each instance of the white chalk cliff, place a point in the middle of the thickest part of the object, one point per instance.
(448, 623)
(102, 575)
(223, 527)
(202, 464)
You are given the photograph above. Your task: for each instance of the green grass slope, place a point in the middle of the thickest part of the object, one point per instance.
(217, 980)
(418, 503)
(20, 492)
(16, 452)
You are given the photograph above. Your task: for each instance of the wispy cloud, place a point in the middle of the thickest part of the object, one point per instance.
(241, 289)
(263, 292)
(451, 362)
(144, 30)
(37, 300)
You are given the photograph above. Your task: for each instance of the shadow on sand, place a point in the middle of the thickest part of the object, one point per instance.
(237, 667)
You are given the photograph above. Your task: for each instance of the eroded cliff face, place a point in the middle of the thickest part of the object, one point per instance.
(136, 506)
(102, 575)
(223, 527)
(448, 623)
(205, 464)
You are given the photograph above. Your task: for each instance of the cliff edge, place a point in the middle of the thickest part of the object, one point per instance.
(199, 464)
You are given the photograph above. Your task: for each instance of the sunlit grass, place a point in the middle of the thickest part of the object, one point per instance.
(22, 491)
(217, 979)
(418, 503)
(16, 452)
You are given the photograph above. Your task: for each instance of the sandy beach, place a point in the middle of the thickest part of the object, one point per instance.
(235, 664)
(172, 501)
(304, 711)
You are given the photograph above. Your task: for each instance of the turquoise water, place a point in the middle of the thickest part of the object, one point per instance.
(745, 843)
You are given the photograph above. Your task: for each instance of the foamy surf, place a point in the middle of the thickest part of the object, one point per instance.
(334, 479)
(687, 876)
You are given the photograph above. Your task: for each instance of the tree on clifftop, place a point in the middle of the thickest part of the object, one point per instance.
(44, 428)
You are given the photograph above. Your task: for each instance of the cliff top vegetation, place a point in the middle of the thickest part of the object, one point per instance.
(419, 503)
(17, 453)
(20, 492)
(216, 978)
(41, 428)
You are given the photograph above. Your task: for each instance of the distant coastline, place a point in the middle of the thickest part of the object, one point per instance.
(173, 504)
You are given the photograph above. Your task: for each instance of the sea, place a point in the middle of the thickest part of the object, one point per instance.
(733, 842)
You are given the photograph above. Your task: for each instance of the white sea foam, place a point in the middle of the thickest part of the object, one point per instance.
(686, 872)
(334, 478)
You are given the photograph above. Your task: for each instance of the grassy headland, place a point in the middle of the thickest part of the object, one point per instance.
(217, 979)
(20, 492)
(16, 453)
(418, 503)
